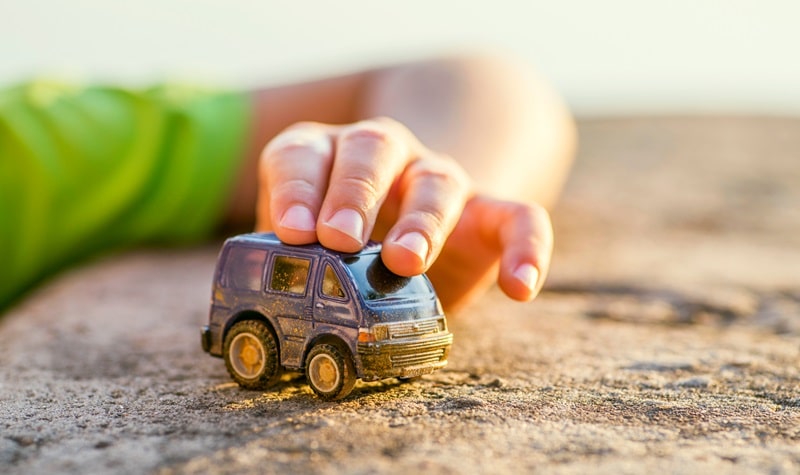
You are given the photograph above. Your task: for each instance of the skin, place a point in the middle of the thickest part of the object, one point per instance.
(451, 163)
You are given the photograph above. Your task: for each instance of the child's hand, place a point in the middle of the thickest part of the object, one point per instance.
(341, 185)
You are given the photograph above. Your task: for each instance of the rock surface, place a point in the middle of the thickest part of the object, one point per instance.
(667, 340)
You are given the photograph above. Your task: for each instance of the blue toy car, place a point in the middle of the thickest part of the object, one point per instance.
(335, 316)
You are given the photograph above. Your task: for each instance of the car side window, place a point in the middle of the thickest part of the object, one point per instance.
(290, 274)
(243, 268)
(331, 286)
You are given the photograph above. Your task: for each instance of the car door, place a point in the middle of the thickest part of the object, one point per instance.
(290, 296)
(335, 308)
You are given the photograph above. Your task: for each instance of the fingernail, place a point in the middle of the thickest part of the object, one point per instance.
(416, 243)
(298, 218)
(349, 222)
(527, 274)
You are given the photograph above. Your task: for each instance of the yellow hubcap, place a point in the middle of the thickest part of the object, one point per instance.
(248, 356)
(324, 373)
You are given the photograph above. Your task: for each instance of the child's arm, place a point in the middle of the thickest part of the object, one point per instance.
(509, 132)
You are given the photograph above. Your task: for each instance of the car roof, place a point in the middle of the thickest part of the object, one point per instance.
(271, 241)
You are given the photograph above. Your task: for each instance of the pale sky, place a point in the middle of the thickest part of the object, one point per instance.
(607, 58)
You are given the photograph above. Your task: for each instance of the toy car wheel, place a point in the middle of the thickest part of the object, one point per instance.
(251, 355)
(330, 371)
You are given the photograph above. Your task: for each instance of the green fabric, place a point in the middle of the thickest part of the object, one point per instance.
(85, 169)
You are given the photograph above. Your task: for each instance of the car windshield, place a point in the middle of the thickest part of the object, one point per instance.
(376, 282)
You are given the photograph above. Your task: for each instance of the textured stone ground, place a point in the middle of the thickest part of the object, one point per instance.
(668, 340)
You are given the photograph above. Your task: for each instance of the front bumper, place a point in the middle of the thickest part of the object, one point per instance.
(404, 358)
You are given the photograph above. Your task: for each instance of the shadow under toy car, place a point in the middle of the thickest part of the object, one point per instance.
(335, 316)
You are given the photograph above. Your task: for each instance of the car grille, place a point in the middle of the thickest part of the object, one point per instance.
(409, 329)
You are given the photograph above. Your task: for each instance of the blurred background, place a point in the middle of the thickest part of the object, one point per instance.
(616, 57)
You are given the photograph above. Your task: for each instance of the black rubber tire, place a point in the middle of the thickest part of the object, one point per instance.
(251, 355)
(330, 371)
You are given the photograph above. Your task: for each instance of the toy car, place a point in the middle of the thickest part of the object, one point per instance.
(335, 316)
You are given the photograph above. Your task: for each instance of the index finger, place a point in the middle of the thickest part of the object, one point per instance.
(293, 174)
(370, 155)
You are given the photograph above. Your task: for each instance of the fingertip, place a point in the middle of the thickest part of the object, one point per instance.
(520, 283)
(298, 218)
(343, 231)
(408, 254)
(526, 238)
(293, 175)
(525, 279)
(297, 225)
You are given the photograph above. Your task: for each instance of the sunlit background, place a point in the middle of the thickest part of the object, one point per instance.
(613, 57)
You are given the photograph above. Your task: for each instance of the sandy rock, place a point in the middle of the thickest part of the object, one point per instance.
(667, 340)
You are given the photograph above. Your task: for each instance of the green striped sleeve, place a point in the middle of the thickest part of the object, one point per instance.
(85, 169)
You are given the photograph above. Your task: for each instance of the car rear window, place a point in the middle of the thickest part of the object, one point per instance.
(243, 268)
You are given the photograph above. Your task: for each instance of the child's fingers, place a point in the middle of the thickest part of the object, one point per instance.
(524, 235)
(369, 157)
(433, 191)
(293, 173)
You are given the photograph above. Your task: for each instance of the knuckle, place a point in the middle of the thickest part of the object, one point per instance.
(360, 187)
(295, 187)
(444, 174)
(296, 144)
(439, 178)
(536, 220)
(531, 217)
(533, 212)
(379, 132)
(432, 218)
(371, 132)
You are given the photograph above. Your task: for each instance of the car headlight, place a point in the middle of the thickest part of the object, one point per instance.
(376, 333)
